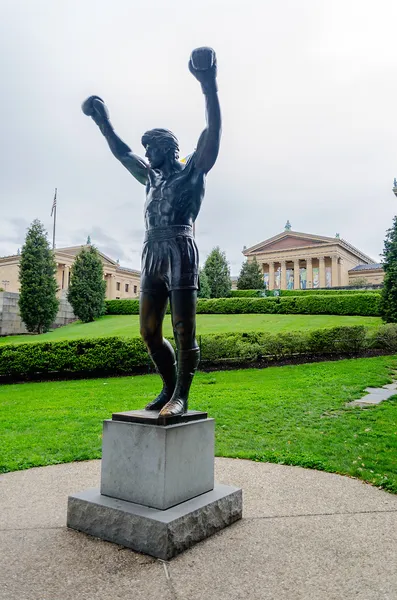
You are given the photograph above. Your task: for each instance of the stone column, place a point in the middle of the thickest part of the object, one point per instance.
(296, 275)
(335, 271)
(66, 278)
(309, 272)
(321, 271)
(283, 275)
(109, 287)
(271, 275)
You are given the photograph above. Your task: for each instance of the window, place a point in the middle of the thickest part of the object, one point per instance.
(127, 287)
(135, 289)
(118, 286)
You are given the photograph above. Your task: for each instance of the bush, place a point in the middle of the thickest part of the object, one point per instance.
(122, 307)
(247, 293)
(98, 355)
(325, 292)
(356, 304)
(385, 337)
(117, 356)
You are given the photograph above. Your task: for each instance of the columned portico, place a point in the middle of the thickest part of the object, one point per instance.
(293, 260)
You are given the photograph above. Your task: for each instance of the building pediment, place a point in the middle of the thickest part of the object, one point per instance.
(74, 250)
(288, 240)
(294, 240)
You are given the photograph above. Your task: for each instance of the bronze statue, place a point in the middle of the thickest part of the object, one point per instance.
(174, 192)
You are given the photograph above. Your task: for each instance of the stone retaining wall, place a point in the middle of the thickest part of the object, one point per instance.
(10, 319)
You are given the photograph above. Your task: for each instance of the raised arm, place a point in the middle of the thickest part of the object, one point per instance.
(95, 108)
(202, 65)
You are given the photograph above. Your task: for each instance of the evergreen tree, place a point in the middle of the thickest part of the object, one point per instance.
(204, 291)
(388, 304)
(250, 277)
(88, 242)
(38, 303)
(87, 287)
(218, 273)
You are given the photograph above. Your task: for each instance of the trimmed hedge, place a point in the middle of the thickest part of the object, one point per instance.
(247, 293)
(354, 304)
(308, 292)
(113, 355)
(122, 307)
(325, 292)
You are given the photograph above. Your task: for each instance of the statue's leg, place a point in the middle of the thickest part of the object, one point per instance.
(152, 309)
(183, 311)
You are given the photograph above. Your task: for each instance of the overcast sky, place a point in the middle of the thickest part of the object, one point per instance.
(308, 93)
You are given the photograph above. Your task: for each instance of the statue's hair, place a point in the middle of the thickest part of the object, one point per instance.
(163, 138)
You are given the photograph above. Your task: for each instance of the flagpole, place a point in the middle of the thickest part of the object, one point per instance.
(54, 206)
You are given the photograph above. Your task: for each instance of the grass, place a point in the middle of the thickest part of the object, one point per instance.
(128, 326)
(291, 415)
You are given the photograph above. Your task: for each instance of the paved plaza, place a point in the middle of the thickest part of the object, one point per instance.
(304, 535)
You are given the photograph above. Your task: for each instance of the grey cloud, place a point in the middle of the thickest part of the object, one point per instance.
(308, 102)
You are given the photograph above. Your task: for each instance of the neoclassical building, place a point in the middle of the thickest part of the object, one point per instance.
(121, 282)
(294, 260)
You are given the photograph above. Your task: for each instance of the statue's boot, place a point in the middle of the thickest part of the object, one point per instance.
(165, 363)
(188, 361)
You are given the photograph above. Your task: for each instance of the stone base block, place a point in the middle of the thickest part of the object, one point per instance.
(157, 466)
(160, 533)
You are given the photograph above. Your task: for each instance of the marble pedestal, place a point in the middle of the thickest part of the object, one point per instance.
(157, 492)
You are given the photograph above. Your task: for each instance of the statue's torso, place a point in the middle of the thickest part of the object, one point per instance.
(173, 200)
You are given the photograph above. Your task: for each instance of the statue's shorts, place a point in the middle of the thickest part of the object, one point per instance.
(170, 260)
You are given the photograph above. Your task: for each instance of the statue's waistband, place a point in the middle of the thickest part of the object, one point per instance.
(166, 233)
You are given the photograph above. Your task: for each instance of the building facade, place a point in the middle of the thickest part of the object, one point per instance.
(295, 260)
(121, 282)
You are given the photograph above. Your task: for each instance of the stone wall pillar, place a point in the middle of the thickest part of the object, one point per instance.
(283, 275)
(335, 282)
(296, 275)
(309, 272)
(271, 275)
(321, 271)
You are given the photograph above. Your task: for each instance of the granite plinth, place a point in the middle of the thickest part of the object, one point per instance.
(152, 417)
(158, 467)
(159, 533)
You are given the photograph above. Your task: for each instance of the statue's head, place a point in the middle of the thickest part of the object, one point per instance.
(160, 144)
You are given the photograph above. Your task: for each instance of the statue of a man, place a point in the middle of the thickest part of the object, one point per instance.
(174, 192)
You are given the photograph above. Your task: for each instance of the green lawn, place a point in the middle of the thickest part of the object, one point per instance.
(128, 325)
(293, 415)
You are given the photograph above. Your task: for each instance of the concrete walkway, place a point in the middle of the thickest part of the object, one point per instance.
(304, 535)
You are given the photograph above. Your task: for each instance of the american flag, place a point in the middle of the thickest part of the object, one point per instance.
(54, 204)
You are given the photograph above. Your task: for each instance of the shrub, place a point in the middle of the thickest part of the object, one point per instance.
(97, 355)
(247, 293)
(385, 337)
(357, 304)
(325, 292)
(117, 356)
(122, 307)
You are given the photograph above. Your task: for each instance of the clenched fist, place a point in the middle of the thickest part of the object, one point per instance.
(95, 107)
(202, 65)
